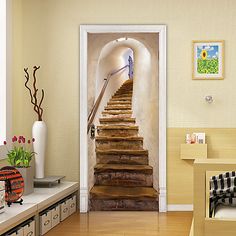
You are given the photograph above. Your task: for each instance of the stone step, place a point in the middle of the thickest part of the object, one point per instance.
(123, 175)
(125, 95)
(120, 156)
(105, 115)
(128, 81)
(124, 90)
(117, 120)
(109, 198)
(117, 113)
(118, 107)
(117, 130)
(121, 92)
(133, 143)
(127, 85)
(121, 99)
(119, 103)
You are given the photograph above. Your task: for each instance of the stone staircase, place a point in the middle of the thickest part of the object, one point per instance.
(123, 178)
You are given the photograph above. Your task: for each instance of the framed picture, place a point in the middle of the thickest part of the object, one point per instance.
(208, 60)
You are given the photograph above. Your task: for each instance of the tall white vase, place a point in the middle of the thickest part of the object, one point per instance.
(39, 133)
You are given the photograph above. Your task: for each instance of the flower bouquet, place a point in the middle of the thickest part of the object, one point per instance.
(20, 155)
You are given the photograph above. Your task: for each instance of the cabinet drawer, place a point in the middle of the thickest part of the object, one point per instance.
(64, 210)
(45, 222)
(55, 216)
(17, 232)
(29, 229)
(2, 199)
(72, 205)
(12, 234)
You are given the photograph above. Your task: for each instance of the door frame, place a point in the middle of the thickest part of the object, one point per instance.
(84, 30)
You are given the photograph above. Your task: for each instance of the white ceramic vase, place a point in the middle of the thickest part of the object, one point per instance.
(39, 133)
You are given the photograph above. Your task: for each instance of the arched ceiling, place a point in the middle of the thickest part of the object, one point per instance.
(114, 48)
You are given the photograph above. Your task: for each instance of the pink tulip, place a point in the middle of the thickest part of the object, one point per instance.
(14, 139)
(5, 142)
(33, 139)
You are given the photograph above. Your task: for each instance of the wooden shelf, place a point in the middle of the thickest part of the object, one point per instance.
(193, 151)
(34, 203)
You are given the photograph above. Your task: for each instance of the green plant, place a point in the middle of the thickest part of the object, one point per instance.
(19, 156)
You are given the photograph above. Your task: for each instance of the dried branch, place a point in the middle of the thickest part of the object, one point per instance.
(26, 85)
(35, 89)
(40, 103)
(26, 82)
(33, 95)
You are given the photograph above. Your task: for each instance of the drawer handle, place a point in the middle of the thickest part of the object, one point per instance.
(55, 217)
(65, 210)
(72, 205)
(30, 233)
(46, 222)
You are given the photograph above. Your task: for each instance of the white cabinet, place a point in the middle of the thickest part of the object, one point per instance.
(64, 209)
(55, 215)
(38, 206)
(2, 196)
(72, 205)
(26, 230)
(49, 219)
(59, 212)
(45, 222)
(12, 234)
(29, 229)
(18, 232)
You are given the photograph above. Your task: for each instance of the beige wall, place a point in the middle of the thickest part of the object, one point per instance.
(220, 145)
(46, 33)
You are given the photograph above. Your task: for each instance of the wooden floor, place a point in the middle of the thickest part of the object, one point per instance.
(125, 224)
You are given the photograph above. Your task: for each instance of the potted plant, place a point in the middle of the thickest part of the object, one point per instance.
(20, 156)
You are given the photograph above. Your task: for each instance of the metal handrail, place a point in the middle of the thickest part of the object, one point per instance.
(99, 98)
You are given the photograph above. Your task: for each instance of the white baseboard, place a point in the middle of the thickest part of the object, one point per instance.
(180, 207)
(83, 200)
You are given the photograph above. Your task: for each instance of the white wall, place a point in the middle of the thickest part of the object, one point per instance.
(146, 99)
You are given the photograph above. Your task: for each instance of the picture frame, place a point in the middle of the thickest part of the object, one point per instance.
(208, 60)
